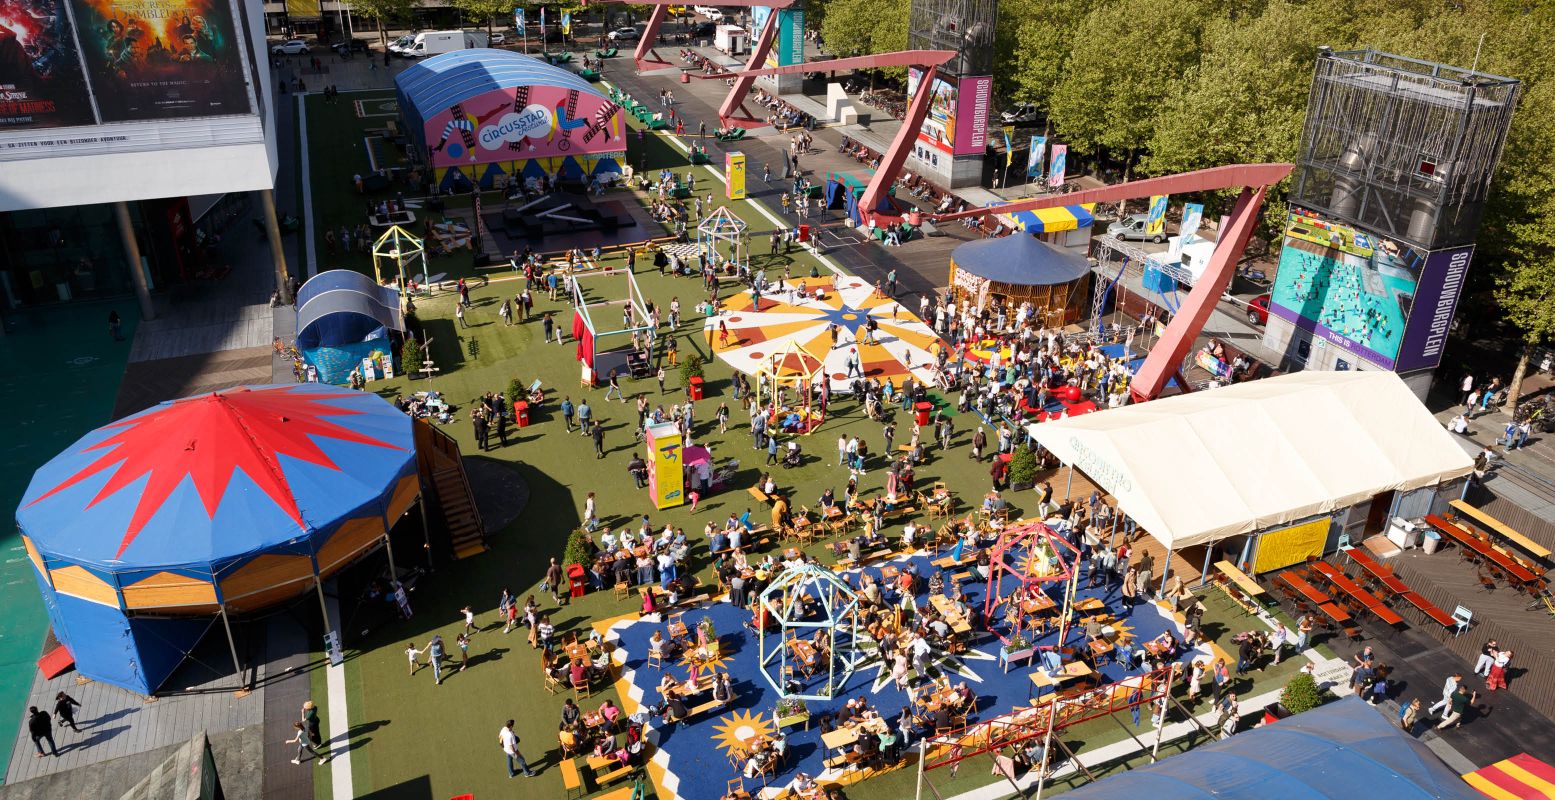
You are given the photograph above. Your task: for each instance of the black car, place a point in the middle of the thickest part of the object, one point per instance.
(350, 46)
(703, 29)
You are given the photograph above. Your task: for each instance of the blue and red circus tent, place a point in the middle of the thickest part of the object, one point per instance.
(146, 530)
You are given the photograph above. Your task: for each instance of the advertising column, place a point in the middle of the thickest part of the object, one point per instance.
(666, 478)
(734, 168)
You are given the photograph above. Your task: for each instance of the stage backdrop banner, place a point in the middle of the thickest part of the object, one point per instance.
(666, 477)
(1293, 545)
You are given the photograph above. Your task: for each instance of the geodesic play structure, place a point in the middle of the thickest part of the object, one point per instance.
(800, 370)
(1027, 557)
(722, 227)
(802, 600)
(404, 255)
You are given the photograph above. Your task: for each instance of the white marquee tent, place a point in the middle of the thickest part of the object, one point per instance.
(1200, 467)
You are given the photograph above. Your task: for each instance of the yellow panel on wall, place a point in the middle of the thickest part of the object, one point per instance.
(405, 494)
(1292, 545)
(352, 537)
(264, 574)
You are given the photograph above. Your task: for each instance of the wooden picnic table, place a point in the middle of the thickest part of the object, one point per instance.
(1069, 671)
(1317, 596)
(1244, 582)
(1038, 605)
(1484, 548)
(1343, 583)
(1501, 529)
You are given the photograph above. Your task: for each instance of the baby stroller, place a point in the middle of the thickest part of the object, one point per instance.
(792, 456)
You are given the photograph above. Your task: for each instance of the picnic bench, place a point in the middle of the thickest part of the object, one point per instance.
(1484, 548)
(1391, 582)
(1370, 601)
(1237, 585)
(761, 497)
(1499, 528)
(1321, 600)
(571, 780)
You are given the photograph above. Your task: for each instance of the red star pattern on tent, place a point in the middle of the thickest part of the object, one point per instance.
(208, 438)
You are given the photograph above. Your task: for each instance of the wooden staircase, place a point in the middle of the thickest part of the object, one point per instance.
(443, 475)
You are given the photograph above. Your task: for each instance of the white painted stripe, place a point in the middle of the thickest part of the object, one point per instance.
(339, 719)
(309, 257)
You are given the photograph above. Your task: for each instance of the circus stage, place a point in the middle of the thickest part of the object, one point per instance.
(903, 344)
(692, 759)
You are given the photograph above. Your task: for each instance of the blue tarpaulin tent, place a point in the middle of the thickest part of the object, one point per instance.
(1342, 750)
(342, 316)
(144, 530)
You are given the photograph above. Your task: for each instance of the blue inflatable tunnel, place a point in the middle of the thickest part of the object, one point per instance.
(342, 317)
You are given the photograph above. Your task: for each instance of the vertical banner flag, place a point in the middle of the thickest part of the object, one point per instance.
(1009, 148)
(1192, 213)
(1055, 173)
(1035, 157)
(518, 21)
(1156, 222)
(566, 23)
(542, 23)
(734, 168)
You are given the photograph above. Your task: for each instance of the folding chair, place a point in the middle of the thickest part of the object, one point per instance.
(623, 590)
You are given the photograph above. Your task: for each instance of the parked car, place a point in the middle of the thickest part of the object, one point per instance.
(350, 46)
(703, 30)
(1133, 227)
(290, 47)
(498, 37)
(401, 43)
(1258, 310)
(627, 34)
(1023, 114)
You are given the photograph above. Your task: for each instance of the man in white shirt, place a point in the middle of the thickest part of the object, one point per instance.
(1447, 689)
(509, 741)
(1458, 424)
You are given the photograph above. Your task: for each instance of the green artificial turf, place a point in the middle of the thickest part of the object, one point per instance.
(422, 738)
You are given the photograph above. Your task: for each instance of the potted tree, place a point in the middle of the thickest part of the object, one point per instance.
(1301, 694)
(578, 553)
(410, 358)
(691, 376)
(1023, 469)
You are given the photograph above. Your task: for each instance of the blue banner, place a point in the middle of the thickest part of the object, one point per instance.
(518, 21)
(1035, 158)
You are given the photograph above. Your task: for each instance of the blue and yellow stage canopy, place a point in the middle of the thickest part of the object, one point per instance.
(1054, 220)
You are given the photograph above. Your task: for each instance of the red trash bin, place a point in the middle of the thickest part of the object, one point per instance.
(521, 413)
(804, 233)
(696, 387)
(924, 409)
(915, 219)
(685, 77)
(578, 585)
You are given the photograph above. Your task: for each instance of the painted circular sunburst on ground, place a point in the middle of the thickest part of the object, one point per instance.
(903, 344)
(734, 730)
(718, 663)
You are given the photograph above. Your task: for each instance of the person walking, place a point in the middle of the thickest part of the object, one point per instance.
(509, 741)
(1409, 716)
(597, 433)
(1448, 688)
(660, 376)
(414, 656)
(41, 730)
(615, 386)
(300, 738)
(65, 710)
(506, 312)
(435, 654)
(585, 416)
(553, 580)
(567, 412)
(463, 642)
(310, 724)
(1457, 704)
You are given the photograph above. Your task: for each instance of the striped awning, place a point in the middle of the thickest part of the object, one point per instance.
(1521, 777)
(1053, 220)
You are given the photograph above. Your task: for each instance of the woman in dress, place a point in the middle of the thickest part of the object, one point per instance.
(1497, 679)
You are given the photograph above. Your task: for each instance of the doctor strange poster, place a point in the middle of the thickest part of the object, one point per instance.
(40, 74)
(161, 59)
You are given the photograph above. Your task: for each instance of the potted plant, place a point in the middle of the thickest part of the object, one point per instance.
(691, 375)
(578, 552)
(1301, 694)
(705, 630)
(517, 391)
(791, 711)
(1019, 648)
(410, 358)
(1023, 469)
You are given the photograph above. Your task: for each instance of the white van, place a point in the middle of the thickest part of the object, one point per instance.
(1189, 266)
(434, 43)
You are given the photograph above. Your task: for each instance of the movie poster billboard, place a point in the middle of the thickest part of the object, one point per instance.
(957, 122)
(41, 84)
(161, 59)
(1353, 288)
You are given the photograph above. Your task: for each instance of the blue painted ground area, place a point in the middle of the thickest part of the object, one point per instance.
(698, 750)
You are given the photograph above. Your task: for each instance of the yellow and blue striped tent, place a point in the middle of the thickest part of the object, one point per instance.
(1053, 220)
